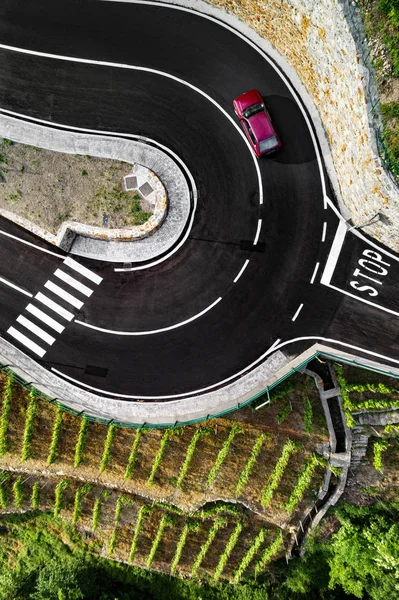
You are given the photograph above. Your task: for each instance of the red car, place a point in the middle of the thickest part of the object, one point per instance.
(255, 121)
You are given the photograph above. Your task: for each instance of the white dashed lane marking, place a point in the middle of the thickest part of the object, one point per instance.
(315, 272)
(241, 271)
(323, 237)
(294, 318)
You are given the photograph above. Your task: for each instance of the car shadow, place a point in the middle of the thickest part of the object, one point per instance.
(290, 125)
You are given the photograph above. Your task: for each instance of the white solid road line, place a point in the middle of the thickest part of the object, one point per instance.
(258, 232)
(153, 331)
(315, 272)
(14, 237)
(83, 289)
(76, 266)
(63, 312)
(36, 330)
(273, 348)
(63, 294)
(323, 237)
(241, 271)
(39, 314)
(26, 342)
(294, 318)
(15, 287)
(334, 253)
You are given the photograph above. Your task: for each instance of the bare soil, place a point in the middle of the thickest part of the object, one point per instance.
(48, 188)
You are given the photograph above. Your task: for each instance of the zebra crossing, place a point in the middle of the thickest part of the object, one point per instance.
(49, 316)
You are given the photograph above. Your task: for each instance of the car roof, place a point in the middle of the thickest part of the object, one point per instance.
(249, 98)
(261, 126)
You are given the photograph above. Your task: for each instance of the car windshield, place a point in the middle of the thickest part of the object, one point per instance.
(268, 143)
(252, 110)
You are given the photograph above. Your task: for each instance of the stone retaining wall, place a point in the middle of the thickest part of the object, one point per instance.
(316, 40)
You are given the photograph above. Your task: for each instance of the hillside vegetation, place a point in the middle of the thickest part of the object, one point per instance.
(220, 499)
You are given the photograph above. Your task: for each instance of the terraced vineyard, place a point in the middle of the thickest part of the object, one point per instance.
(222, 498)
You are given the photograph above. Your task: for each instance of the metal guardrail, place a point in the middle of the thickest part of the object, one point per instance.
(82, 414)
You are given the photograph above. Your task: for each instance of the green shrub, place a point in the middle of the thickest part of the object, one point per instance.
(4, 477)
(189, 526)
(269, 553)
(133, 454)
(394, 428)
(112, 542)
(308, 416)
(5, 414)
(55, 438)
(80, 445)
(222, 455)
(77, 509)
(218, 508)
(289, 448)
(283, 414)
(144, 510)
(200, 432)
(161, 452)
(31, 414)
(249, 555)
(107, 448)
(218, 524)
(247, 470)
(232, 541)
(35, 498)
(390, 110)
(97, 509)
(59, 491)
(166, 521)
(378, 450)
(302, 483)
(18, 492)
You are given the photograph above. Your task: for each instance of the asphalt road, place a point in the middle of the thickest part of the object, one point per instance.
(279, 295)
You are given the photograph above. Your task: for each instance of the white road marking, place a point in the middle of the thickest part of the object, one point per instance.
(323, 237)
(315, 272)
(258, 232)
(39, 314)
(14, 237)
(275, 344)
(235, 376)
(379, 306)
(83, 289)
(63, 312)
(63, 294)
(294, 318)
(153, 331)
(15, 287)
(36, 330)
(26, 342)
(241, 271)
(76, 266)
(334, 253)
(115, 65)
